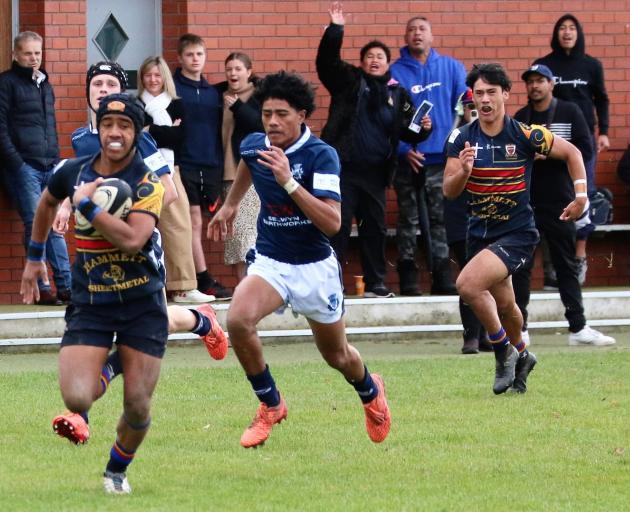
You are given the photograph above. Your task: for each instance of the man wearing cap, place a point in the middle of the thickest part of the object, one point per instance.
(29, 150)
(551, 188)
(118, 281)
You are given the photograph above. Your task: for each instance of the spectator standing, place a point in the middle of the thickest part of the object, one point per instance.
(241, 116)
(456, 222)
(29, 151)
(201, 157)
(440, 79)
(550, 189)
(369, 112)
(165, 120)
(579, 78)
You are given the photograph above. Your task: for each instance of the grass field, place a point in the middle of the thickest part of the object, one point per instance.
(565, 445)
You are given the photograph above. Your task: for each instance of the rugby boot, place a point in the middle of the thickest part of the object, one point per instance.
(72, 426)
(116, 483)
(378, 419)
(524, 366)
(505, 370)
(215, 341)
(266, 417)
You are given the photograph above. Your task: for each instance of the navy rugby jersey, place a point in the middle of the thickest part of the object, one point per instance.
(284, 232)
(85, 142)
(501, 174)
(102, 273)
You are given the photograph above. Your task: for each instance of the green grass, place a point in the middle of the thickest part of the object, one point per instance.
(565, 445)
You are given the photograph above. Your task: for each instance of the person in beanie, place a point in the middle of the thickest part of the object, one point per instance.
(579, 78)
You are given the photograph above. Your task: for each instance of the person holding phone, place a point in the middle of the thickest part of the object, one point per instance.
(440, 80)
(369, 113)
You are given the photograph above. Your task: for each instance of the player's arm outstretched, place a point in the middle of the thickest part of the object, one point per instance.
(128, 235)
(457, 172)
(222, 224)
(324, 213)
(35, 267)
(564, 150)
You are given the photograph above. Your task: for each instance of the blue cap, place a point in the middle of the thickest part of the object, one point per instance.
(540, 69)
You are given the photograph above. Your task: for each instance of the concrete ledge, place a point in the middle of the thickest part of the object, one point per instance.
(393, 318)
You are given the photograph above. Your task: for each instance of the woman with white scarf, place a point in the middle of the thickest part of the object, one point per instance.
(241, 116)
(164, 118)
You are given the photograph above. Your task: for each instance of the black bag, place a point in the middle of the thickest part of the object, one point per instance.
(601, 209)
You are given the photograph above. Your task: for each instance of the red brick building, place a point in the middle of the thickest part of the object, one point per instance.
(285, 35)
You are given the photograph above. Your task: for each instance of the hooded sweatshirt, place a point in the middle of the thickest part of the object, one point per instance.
(578, 77)
(441, 80)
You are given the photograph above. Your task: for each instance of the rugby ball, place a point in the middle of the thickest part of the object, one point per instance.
(112, 195)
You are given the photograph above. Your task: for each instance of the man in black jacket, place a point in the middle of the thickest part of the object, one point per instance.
(551, 189)
(579, 78)
(29, 150)
(369, 113)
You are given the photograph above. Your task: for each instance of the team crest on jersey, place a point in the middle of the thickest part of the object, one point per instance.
(333, 302)
(297, 171)
(510, 151)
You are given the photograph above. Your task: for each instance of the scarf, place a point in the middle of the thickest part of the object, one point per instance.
(155, 106)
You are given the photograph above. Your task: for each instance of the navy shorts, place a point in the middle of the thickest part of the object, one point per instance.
(514, 249)
(141, 324)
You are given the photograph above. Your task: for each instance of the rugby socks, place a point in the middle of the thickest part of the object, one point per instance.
(119, 458)
(265, 387)
(203, 325)
(521, 347)
(500, 342)
(366, 388)
(112, 367)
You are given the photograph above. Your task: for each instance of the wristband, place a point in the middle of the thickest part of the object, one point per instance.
(291, 186)
(89, 209)
(581, 194)
(35, 251)
(577, 182)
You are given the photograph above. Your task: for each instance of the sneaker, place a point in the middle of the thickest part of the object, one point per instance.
(524, 366)
(72, 426)
(216, 340)
(266, 417)
(589, 336)
(550, 284)
(505, 371)
(471, 346)
(218, 290)
(377, 417)
(192, 297)
(64, 296)
(582, 267)
(378, 291)
(46, 298)
(116, 483)
(525, 338)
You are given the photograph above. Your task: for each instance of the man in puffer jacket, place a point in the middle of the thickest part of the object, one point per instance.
(369, 113)
(29, 150)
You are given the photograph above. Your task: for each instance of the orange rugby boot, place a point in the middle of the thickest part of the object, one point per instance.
(266, 417)
(377, 417)
(216, 340)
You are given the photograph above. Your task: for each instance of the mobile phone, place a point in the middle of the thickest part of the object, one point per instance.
(473, 115)
(416, 121)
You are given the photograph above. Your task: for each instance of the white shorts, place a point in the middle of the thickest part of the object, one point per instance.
(312, 289)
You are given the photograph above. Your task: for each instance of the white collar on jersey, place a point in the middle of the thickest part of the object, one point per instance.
(298, 144)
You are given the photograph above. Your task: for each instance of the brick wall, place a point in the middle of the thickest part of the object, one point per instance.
(285, 35)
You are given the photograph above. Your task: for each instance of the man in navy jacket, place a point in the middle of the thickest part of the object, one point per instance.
(29, 150)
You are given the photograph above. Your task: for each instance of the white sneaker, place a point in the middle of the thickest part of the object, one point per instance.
(192, 297)
(116, 483)
(582, 267)
(525, 338)
(589, 336)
